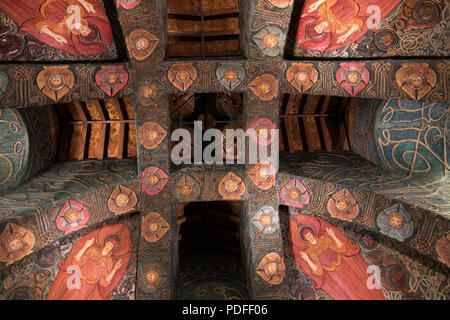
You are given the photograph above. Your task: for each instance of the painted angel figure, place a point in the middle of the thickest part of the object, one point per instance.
(99, 259)
(327, 25)
(79, 27)
(327, 256)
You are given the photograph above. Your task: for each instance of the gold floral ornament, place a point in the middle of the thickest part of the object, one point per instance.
(151, 135)
(443, 249)
(416, 79)
(302, 76)
(182, 75)
(272, 268)
(262, 175)
(186, 188)
(154, 227)
(342, 205)
(141, 44)
(55, 82)
(149, 92)
(265, 87)
(281, 3)
(122, 200)
(16, 242)
(231, 187)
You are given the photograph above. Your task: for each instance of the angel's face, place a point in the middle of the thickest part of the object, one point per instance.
(107, 248)
(320, 28)
(310, 237)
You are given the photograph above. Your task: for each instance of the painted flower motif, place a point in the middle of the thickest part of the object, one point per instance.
(270, 40)
(395, 222)
(141, 44)
(122, 200)
(272, 268)
(182, 75)
(263, 175)
(186, 188)
(154, 227)
(231, 187)
(230, 75)
(73, 216)
(281, 3)
(149, 92)
(443, 249)
(265, 87)
(294, 194)
(151, 135)
(16, 242)
(416, 79)
(128, 4)
(55, 82)
(261, 131)
(153, 180)
(111, 79)
(353, 77)
(3, 82)
(302, 76)
(342, 205)
(266, 220)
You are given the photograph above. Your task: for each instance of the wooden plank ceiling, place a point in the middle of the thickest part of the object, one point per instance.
(203, 28)
(314, 123)
(97, 129)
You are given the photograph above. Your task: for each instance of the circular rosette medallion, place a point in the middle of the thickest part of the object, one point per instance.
(122, 200)
(261, 131)
(153, 180)
(294, 194)
(16, 242)
(128, 4)
(263, 175)
(154, 227)
(149, 92)
(265, 87)
(342, 205)
(270, 40)
(55, 82)
(416, 79)
(182, 75)
(141, 44)
(111, 79)
(186, 188)
(353, 77)
(151, 135)
(11, 45)
(395, 222)
(266, 220)
(230, 75)
(272, 268)
(281, 3)
(302, 76)
(443, 249)
(73, 216)
(231, 187)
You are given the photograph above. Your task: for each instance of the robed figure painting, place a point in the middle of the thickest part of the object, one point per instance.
(78, 27)
(327, 256)
(327, 25)
(99, 259)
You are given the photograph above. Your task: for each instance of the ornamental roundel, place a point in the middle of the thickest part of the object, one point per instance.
(266, 220)
(149, 92)
(302, 76)
(265, 87)
(55, 82)
(416, 79)
(16, 242)
(127, 4)
(154, 227)
(261, 131)
(342, 205)
(281, 3)
(230, 75)
(263, 175)
(182, 75)
(141, 44)
(186, 188)
(122, 200)
(153, 180)
(151, 135)
(270, 40)
(73, 216)
(271, 268)
(294, 194)
(111, 79)
(353, 77)
(443, 249)
(231, 187)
